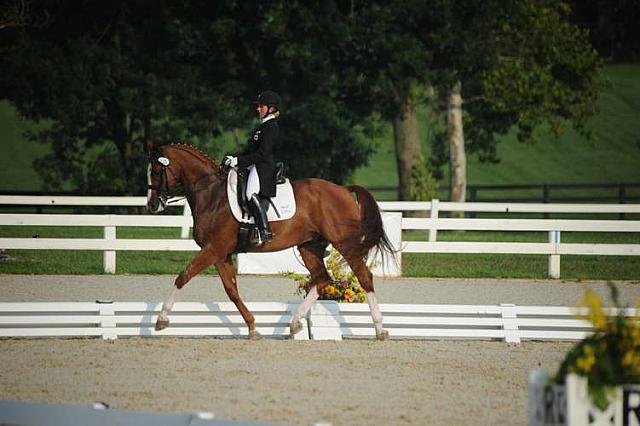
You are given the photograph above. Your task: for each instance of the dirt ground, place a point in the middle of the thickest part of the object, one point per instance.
(287, 382)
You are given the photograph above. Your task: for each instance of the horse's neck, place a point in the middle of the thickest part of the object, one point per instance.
(201, 179)
(205, 202)
(204, 191)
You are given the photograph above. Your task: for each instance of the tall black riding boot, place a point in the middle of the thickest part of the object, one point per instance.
(260, 206)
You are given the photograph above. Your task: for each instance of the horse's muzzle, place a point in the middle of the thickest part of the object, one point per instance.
(155, 205)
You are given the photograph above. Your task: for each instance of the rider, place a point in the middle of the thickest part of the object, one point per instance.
(258, 159)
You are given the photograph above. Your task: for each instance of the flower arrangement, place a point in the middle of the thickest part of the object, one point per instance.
(344, 286)
(609, 357)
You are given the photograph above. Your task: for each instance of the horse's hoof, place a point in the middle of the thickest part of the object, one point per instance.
(162, 324)
(254, 335)
(383, 335)
(295, 327)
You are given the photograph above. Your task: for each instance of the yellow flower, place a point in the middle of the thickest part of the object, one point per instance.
(330, 290)
(349, 295)
(588, 350)
(586, 363)
(596, 315)
(627, 359)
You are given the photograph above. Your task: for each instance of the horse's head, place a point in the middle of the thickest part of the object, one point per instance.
(163, 174)
(170, 165)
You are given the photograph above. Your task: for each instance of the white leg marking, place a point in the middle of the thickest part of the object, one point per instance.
(168, 304)
(376, 315)
(306, 304)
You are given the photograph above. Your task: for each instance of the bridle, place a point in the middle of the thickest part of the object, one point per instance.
(163, 190)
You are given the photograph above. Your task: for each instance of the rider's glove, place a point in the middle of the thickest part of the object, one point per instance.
(230, 161)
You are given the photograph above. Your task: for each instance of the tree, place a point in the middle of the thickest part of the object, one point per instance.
(297, 52)
(106, 80)
(493, 64)
(384, 70)
(19, 14)
(530, 67)
(612, 26)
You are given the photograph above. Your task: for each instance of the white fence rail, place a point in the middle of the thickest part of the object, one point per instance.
(553, 248)
(89, 201)
(327, 320)
(511, 323)
(111, 320)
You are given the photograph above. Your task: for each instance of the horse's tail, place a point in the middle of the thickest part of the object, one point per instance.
(373, 234)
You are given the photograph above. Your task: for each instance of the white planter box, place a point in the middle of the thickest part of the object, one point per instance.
(570, 404)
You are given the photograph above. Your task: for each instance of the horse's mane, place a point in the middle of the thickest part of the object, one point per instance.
(199, 154)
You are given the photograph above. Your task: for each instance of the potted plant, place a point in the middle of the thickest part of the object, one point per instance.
(598, 382)
(344, 286)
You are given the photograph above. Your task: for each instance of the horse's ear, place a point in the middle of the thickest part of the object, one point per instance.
(149, 145)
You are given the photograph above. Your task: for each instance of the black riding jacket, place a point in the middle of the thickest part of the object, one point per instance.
(259, 151)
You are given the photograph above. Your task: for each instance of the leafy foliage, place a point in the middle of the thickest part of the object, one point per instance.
(344, 286)
(106, 79)
(423, 185)
(611, 356)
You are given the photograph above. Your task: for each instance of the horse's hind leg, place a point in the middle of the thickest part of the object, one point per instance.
(312, 254)
(228, 276)
(357, 263)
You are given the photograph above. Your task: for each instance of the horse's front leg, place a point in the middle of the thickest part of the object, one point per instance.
(203, 259)
(228, 277)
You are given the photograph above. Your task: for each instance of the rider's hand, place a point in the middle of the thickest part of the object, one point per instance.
(230, 161)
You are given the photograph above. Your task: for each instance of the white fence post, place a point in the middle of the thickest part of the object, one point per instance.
(109, 256)
(509, 323)
(324, 321)
(107, 319)
(433, 231)
(554, 259)
(184, 231)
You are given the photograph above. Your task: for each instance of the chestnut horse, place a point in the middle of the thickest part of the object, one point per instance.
(325, 213)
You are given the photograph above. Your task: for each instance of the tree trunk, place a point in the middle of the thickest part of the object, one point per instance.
(407, 144)
(458, 163)
(120, 136)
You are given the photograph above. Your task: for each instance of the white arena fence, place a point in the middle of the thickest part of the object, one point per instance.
(327, 320)
(394, 223)
(111, 320)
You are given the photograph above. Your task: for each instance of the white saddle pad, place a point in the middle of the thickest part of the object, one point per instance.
(284, 201)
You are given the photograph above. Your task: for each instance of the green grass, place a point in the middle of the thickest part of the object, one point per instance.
(520, 266)
(612, 156)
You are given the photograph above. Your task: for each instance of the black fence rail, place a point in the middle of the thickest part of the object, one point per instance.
(615, 193)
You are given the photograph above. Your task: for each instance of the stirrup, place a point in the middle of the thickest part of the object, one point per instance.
(256, 239)
(265, 236)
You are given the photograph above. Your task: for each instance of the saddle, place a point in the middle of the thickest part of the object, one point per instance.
(243, 176)
(282, 206)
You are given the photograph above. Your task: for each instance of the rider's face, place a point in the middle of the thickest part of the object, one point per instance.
(263, 110)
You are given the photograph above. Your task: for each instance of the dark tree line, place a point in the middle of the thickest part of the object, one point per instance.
(107, 75)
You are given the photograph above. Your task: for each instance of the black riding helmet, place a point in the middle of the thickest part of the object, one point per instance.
(269, 98)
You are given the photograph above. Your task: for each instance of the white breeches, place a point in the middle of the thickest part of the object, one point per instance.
(253, 183)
